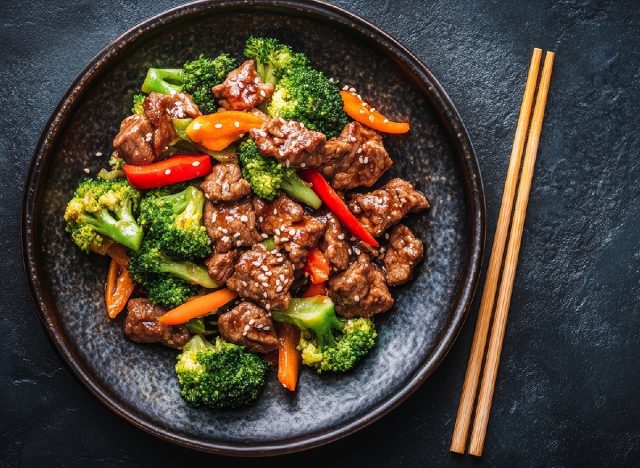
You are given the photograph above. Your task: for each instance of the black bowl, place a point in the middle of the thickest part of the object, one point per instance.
(137, 381)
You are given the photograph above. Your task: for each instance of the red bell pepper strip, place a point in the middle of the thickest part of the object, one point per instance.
(337, 206)
(317, 266)
(170, 171)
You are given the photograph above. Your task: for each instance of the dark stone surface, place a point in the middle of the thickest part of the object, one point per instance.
(567, 389)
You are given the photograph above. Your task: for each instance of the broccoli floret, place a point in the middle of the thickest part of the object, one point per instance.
(116, 171)
(166, 291)
(327, 342)
(137, 108)
(173, 221)
(220, 375)
(267, 176)
(196, 77)
(150, 260)
(306, 95)
(271, 57)
(103, 208)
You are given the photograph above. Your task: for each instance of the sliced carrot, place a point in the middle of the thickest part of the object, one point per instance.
(119, 254)
(319, 289)
(361, 112)
(119, 288)
(217, 131)
(317, 266)
(197, 307)
(288, 355)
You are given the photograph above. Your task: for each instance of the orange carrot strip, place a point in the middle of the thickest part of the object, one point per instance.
(319, 289)
(119, 289)
(119, 254)
(317, 266)
(360, 111)
(197, 307)
(288, 355)
(217, 131)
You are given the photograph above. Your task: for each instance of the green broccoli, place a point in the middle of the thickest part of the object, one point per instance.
(150, 260)
(196, 77)
(327, 342)
(173, 221)
(116, 171)
(103, 208)
(137, 108)
(306, 95)
(220, 375)
(271, 57)
(266, 176)
(164, 290)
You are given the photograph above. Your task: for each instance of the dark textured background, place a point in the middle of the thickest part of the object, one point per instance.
(567, 392)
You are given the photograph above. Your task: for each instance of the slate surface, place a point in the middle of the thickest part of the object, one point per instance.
(568, 386)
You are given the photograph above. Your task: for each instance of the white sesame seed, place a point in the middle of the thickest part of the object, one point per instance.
(236, 124)
(236, 235)
(246, 328)
(244, 283)
(218, 125)
(86, 170)
(345, 88)
(361, 111)
(99, 153)
(214, 216)
(275, 212)
(356, 298)
(353, 90)
(240, 84)
(266, 327)
(265, 284)
(341, 236)
(371, 118)
(196, 126)
(225, 239)
(302, 164)
(264, 268)
(365, 160)
(265, 295)
(386, 120)
(277, 231)
(386, 236)
(268, 306)
(260, 219)
(359, 150)
(256, 263)
(292, 232)
(195, 163)
(167, 172)
(252, 321)
(373, 109)
(264, 236)
(281, 276)
(244, 218)
(262, 93)
(279, 289)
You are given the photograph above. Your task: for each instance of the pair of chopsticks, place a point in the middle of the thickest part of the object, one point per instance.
(505, 219)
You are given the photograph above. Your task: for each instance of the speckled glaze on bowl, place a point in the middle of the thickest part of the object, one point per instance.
(137, 381)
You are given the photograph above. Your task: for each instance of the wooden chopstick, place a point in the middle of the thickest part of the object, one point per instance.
(472, 376)
(511, 261)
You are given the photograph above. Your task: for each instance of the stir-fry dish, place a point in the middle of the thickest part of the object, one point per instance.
(232, 226)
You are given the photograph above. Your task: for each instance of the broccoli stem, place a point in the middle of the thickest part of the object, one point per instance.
(300, 190)
(124, 231)
(312, 313)
(163, 80)
(269, 244)
(188, 271)
(196, 326)
(194, 207)
(180, 126)
(197, 343)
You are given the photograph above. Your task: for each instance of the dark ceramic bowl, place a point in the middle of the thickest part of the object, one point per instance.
(137, 381)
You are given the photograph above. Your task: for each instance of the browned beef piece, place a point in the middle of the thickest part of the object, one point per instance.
(278, 214)
(220, 265)
(292, 230)
(358, 155)
(290, 143)
(134, 140)
(160, 109)
(263, 277)
(142, 326)
(334, 244)
(361, 290)
(403, 253)
(250, 326)
(231, 224)
(242, 89)
(382, 208)
(142, 138)
(225, 183)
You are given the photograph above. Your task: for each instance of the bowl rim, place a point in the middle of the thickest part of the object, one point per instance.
(319, 11)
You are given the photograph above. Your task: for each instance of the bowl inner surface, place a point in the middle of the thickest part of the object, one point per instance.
(141, 377)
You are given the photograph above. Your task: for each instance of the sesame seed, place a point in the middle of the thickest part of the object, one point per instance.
(373, 109)
(386, 236)
(265, 284)
(353, 90)
(302, 165)
(256, 263)
(244, 284)
(99, 153)
(196, 126)
(277, 231)
(246, 328)
(279, 289)
(214, 216)
(252, 321)
(262, 93)
(244, 218)
(266, 327)
(264, 236)
(268, 306)
(236, 124)
(218, 125)
(284, 239)
(386, 120)
(345, 88)
(365, 160)
(167, 172)
(268, 273)
(281, 276)
(240, 84)
(265, 295)
(292, 232)
(361, 111)
(264, 268)
(341, 236)
(236, 235)
(356, 298)
(359, 150)
(195, 163)
(275, 212)
(241, 135)
(225, 239)
(371, 118)
(86, 170)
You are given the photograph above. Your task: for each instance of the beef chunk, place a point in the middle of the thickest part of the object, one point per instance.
(242, 89)
(160, 109)
(263, 277)
(382, 208)
(142, 326)
(335, 245)
(292, 230)
(361, 290)
(250, 326)
(290, 143)
(403, 253)
(359, 158)
(142, 138)
(231, 224)
(134, 140)
(220, 265)
(225, 183)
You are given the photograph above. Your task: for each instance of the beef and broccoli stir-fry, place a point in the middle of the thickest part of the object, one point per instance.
(232, 228)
